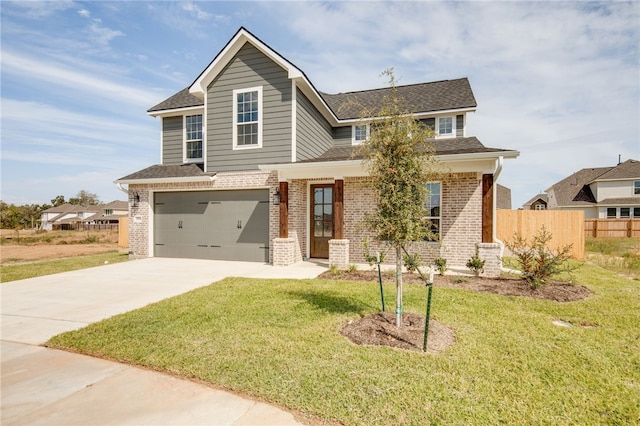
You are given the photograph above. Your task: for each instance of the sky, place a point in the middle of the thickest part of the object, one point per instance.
(557, 81)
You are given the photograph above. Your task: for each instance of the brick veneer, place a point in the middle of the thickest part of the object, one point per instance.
(461, 227)
(339, 253)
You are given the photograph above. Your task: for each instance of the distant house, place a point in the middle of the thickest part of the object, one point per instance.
(538, 202)
(503, 197)
(603, 192)
(68, 216)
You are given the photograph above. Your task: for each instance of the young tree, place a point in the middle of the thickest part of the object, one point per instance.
(400, 161)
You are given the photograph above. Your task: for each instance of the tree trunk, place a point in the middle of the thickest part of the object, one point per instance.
(398, 286)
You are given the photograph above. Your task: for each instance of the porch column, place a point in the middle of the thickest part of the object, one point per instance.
(338, 209)
(487, 208)
(284, 209)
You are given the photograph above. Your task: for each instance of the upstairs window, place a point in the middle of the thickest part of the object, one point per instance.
(247, 118)
(432, 205)
(360, 133)
(445, 126)
(193, 137)
(636, 187)
(108, 212)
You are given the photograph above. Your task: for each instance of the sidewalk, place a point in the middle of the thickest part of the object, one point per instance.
(46, 386)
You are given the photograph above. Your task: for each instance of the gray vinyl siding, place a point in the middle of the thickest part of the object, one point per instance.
(249, 68)
(342, 136)
(172, 140)
(459, 125)
(313, 131)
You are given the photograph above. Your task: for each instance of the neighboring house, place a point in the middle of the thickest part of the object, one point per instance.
(67, 216)
(503, 197)
(538, 202)
(602, 193)
(258, 165)
(109, 213)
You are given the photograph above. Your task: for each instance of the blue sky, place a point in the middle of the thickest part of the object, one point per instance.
(558, 81)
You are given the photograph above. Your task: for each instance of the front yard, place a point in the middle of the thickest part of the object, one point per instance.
(279, 340)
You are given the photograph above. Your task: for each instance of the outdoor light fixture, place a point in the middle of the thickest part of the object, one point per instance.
(276, 198)
(134, 199)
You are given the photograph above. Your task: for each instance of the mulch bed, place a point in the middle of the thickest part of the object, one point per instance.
(380, 328)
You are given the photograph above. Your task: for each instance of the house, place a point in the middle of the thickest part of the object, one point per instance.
(258, 165)
(109, 213)
(602, 192)
(68, 216)
(503, 197)
(538, 202)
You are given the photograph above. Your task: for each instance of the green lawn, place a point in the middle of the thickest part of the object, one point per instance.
(278, 340)
(48, 267)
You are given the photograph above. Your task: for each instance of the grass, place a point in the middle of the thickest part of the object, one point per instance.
(48, 267)
(278, 340)
(620, 255)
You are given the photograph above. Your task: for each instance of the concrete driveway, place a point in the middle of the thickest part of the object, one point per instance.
(45, 386)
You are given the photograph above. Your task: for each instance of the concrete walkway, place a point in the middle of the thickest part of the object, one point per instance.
(45, 386)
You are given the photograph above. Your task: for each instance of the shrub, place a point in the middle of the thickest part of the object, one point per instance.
(371, 259)
(536, 260)
(411, 261)
(441, 264)
(475, 264)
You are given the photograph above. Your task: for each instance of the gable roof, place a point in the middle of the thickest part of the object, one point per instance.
(170, 173)
(538, 197)
(575, 190)
(420, 98)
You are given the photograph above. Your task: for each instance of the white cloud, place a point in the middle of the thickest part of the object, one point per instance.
(84, 13)
(101, 34)
(41, 9)
(76, 79)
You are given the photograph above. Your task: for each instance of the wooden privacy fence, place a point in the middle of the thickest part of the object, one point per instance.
(123, 232)
(612, 228)
(566, 227)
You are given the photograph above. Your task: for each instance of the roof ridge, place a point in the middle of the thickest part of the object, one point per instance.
(397, 87)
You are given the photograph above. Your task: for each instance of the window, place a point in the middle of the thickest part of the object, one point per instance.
(636, 187)
(247, 118)
(445, 126)
(625, 212)
(432, 206)
(540, 207)
(611, 212)
(193, 137)
(108, 212)
(636, 212)
(360, 133)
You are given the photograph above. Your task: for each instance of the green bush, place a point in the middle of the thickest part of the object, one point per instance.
(536, 260)
(475, 264)
(441, 264)
(411, 261)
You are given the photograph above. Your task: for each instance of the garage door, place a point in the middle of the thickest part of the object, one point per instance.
(223, 225)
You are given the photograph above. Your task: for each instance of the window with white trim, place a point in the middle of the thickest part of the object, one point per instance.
(247, 118)
(636, 212)
(625, 212)
(432, 206)
(612, 212)
(445, 126)
(636, 187)
(359, 133)
(193, 138)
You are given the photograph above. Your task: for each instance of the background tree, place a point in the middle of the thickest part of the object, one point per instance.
(400, 160)
(84, 198)
(58, 201)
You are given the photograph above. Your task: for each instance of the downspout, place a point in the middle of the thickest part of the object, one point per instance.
(496, 173)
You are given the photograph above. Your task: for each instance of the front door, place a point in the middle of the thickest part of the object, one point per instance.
(321, 220)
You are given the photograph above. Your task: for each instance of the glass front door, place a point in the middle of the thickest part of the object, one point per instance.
(321, 220)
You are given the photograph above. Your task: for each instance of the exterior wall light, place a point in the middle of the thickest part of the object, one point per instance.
(276, 198)
(134, 199)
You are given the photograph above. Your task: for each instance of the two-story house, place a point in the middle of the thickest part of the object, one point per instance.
(601, 192)
(259, 165)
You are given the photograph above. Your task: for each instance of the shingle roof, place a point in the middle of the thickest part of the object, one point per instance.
(542, 197)
(159, 171)
(621, 201)
(422, 97)
(470, 145)
(182, 99)
(630, 169)
(503, 197)
(575, 190)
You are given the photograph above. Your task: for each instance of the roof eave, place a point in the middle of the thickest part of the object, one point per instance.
(147, 181)
(174, 111)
